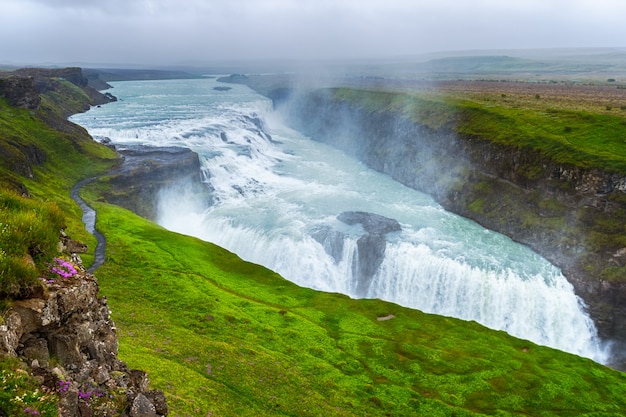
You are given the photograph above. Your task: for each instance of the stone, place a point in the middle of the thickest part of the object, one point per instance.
(157, 398)
(142, 407)
(37, 350)
(20, 91)
(139, 379)
(31, 313)
(372, 223)
(371, 245)
(10, 334)
(331, 240)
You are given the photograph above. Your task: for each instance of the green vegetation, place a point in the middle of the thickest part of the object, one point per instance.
(29, 238)
(48, 162)
(583, 138)
(225, 337)
(21, 394)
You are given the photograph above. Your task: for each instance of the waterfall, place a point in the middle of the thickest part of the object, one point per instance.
(281, 201)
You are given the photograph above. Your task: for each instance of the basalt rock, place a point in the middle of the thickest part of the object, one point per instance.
(72, 324)
(148, 172)
(373, 224)
(371, 244)
(20, 92)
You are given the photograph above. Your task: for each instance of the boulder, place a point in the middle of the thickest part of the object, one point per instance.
(371, 245)
(372, 223)
(142, 407)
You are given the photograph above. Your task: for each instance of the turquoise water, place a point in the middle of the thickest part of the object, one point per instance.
(274, 189)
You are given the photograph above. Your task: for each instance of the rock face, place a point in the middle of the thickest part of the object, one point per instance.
(560, 211)
(68, 339)
(20, 92)
(371, 245)
(146, 172)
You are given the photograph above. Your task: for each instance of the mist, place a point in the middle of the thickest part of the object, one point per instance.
(195, 33)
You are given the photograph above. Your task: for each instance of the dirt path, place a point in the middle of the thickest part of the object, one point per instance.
(89, 219)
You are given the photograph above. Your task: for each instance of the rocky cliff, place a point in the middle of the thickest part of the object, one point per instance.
(148, 172)
(566, 213)
(66, 337)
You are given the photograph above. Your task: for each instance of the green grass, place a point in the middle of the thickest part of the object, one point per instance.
(225, 336)
(65, 158)
(29, 239)
(582, 138)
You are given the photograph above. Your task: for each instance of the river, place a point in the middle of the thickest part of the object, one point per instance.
(278, 196)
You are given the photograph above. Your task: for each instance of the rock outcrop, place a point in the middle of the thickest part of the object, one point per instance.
(68, 340)
(146, 172)
(20, 91)
(371, 244)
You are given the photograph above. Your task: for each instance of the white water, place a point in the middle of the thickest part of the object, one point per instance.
(273, 193)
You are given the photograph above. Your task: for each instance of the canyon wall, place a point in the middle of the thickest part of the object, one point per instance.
(566, 213)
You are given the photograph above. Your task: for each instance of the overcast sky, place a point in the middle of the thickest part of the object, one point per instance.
(169, 32)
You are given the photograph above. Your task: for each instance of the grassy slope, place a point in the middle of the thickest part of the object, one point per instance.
(218, 334)
(224, 336)
(584, 138)
(70, 156)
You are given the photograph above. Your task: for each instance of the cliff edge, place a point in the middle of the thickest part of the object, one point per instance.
(66, 338)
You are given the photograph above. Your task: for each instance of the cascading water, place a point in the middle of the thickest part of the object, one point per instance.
(325, 221)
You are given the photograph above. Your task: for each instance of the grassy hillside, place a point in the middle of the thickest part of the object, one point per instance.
(566, 131)
(46, 162)
(225, 337)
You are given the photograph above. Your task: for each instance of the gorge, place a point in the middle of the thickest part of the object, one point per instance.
(284, 202)
(560, 209)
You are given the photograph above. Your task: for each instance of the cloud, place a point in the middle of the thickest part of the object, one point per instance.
(171, 31)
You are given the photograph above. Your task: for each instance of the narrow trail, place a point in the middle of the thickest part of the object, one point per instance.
(89, 219)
